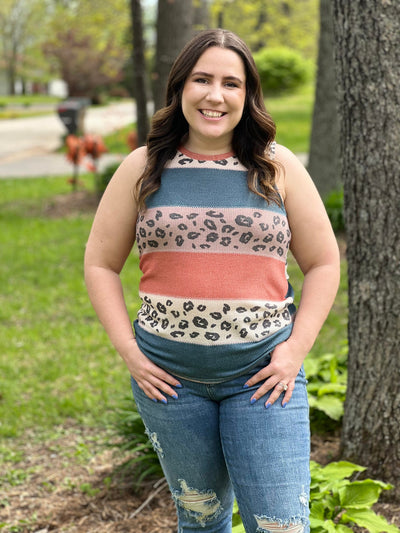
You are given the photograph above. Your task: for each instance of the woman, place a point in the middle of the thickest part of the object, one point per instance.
(216, 359)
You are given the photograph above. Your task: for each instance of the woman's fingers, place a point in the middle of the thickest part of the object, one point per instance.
(276, 381)
(156, 383)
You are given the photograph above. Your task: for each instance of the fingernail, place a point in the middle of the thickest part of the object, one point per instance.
(245, 386)
(284, 404)
(267, 405)
(164, 400)
(178, 385)
(175, 396)
(154, 400)
(253, 400)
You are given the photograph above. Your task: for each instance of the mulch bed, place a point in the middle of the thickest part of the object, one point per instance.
(70, 486)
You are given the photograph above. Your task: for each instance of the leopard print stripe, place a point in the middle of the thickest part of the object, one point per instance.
(210, 322)
(221, 230)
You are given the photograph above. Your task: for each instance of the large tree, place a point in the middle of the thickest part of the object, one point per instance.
(324, 159)
(174, 29)
(367, 51)
(139, 67)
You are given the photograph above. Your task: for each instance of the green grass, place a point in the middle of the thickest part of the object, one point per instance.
(27, 99)
(21, 106)
(292, 114)
(116, 142)
(55, 360)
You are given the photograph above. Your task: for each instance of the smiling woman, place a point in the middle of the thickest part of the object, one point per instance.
(213, 100)
(214, 204)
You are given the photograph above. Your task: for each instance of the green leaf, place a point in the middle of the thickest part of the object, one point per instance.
(316, 523)
(317, 510)
(340, 528)
(341, 469)
(360, 494)
(330, 405)
(311, 366)
(331, 388)
(329, 526)
(368, 519)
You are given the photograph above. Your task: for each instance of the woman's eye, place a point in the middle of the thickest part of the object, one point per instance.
(201, 80)
(231, 84)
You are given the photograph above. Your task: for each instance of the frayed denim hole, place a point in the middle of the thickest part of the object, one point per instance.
(203, 506)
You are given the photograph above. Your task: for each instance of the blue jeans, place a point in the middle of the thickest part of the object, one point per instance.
(213, 445)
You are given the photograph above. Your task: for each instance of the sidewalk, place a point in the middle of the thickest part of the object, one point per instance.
(38, 165)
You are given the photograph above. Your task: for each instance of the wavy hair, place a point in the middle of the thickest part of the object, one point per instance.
(251, 137)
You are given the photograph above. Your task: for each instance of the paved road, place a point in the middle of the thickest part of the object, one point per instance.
(27, 144)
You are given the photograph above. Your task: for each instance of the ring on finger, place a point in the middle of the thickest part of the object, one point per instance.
(282, 386)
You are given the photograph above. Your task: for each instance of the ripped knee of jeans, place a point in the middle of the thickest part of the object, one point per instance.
(203, 506)
(273, 525)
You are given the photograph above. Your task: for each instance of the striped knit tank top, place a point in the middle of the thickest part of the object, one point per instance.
(214, 290)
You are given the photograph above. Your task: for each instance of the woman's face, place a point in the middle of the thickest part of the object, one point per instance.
(213, 99)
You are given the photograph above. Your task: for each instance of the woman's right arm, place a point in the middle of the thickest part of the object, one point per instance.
(109, 244)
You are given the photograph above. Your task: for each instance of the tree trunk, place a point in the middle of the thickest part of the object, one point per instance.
(139, 72)
(201, 15)
(367, 53)
(324, 157)
(174, 29)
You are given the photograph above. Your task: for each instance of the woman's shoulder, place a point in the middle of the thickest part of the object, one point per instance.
(137, 157)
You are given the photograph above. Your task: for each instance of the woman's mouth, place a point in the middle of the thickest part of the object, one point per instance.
(211, 114)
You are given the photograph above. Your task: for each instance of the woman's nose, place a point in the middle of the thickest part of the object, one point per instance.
(215, 93)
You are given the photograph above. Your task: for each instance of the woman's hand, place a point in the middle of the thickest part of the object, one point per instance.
(152, 379)
(281, 372)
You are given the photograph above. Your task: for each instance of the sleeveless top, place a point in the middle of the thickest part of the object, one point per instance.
(214, 289)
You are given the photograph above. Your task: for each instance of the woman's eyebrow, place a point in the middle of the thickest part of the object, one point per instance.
(207, 75)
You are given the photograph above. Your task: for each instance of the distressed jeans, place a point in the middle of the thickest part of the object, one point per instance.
(215, 446)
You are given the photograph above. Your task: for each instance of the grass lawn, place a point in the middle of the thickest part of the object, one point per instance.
(55, 360)
(292, 114)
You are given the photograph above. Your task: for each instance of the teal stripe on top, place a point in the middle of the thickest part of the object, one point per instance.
(207, 188)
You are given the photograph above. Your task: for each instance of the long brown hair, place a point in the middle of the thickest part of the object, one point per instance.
(251, 137)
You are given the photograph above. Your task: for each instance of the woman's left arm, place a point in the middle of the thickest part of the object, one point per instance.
(315, 249)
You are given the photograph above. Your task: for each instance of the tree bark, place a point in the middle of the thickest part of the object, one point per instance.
(139, 72)
(367, 53)
(324, 157)
(201, 15)
(174, 29)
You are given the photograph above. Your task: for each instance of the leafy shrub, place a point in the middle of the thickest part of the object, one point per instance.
(281, 69)
(334, 207)
(327, 379)
(336, 503)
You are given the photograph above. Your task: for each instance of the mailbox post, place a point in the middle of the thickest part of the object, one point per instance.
(72, 114)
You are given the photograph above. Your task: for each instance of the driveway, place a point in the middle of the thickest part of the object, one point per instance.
(27, 144)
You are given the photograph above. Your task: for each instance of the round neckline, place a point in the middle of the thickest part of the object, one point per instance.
(203, 157)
